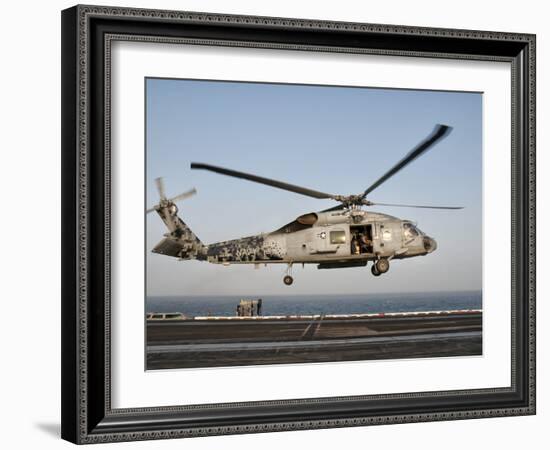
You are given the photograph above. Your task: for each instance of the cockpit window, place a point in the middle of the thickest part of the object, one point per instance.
(410, 231)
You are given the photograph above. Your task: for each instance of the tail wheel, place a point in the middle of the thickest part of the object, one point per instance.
(288, 280)
(382, 265)
(374, 271)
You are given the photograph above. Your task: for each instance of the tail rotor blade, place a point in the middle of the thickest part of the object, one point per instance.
(160, 188)
(183, 195)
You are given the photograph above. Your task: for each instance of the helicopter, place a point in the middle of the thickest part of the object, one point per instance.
(342, 236)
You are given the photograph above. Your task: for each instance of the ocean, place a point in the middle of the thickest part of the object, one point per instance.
(273, 305)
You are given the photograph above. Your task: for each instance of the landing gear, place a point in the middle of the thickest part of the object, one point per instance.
(288, 280)
(379, 267)
(382, 265)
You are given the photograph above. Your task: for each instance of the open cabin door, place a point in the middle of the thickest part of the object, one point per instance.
(362, 239)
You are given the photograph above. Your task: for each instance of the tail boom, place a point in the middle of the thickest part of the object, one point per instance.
(180, 241)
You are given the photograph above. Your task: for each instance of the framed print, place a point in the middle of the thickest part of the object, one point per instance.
(268, 222)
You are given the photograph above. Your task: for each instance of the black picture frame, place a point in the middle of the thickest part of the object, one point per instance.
(87, 415)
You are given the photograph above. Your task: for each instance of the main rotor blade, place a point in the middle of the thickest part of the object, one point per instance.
(369, 203)
(439, 132)
(160, 188)
(262, 180)
(335, 208)
(183, 195)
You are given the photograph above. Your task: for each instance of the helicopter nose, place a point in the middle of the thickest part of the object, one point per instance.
(430, 245)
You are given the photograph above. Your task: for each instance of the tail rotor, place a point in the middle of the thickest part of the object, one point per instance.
(164, 201)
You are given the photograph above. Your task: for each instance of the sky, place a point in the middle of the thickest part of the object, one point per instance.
(333, 139)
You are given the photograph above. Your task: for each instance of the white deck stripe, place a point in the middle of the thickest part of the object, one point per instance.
(182, 348)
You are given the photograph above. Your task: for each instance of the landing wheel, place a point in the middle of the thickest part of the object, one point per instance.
(288, 280)
(374, 271)
(382, 265)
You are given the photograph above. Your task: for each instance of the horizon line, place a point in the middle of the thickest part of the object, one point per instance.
(318, 294)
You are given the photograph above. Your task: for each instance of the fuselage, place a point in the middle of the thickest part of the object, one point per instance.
(342, 238)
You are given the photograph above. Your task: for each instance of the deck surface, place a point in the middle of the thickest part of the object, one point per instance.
(228, 342)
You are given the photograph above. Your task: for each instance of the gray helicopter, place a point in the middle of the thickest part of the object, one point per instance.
(338, 237)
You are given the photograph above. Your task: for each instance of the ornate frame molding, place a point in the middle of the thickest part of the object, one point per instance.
(85, 30)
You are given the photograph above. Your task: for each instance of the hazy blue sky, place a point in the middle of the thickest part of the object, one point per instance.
(334, 139)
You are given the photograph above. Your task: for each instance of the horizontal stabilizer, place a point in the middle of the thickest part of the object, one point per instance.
(168, 247)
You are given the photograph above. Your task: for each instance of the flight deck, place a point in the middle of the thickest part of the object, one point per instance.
(176, 341)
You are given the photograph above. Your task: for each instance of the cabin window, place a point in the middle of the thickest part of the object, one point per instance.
(338, 237)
